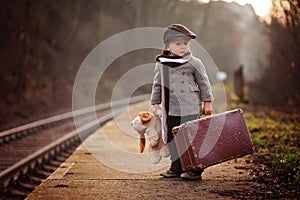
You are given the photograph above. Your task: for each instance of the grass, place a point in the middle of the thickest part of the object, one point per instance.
(276, 137)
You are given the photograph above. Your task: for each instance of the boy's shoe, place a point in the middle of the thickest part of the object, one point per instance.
(169, 174)
(190, 175)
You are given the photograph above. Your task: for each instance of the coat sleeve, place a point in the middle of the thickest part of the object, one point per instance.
(202, 80)
(156, 87)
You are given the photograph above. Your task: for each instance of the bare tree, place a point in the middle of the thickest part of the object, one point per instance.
(280, 80)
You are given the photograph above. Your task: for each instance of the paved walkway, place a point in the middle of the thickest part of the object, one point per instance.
(108, 166)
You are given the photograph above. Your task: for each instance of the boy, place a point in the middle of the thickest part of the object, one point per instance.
(180, 85)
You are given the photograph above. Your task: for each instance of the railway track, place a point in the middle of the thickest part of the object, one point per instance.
(30, 153)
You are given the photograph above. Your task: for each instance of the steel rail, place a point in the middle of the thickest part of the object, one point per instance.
(12, 173)
(40, 123)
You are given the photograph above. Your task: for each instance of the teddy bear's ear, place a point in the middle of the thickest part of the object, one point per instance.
(145, 117)
(142, 144)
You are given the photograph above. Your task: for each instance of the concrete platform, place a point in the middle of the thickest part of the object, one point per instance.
(108, 166)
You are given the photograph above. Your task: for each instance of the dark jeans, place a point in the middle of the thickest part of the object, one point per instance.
(173, 121)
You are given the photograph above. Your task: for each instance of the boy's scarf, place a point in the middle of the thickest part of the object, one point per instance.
(167, 60)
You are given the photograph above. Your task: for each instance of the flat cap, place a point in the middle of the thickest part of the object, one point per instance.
(178, 30)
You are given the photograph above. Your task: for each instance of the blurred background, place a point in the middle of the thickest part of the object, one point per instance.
(43, 43)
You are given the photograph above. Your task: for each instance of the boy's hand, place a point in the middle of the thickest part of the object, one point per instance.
(207, 108)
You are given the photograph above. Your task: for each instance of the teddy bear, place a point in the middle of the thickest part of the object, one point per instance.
(149, 127)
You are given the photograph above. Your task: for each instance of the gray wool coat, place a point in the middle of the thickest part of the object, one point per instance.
(188, 85)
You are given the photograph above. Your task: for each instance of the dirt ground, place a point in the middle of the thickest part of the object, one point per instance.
(84, 177)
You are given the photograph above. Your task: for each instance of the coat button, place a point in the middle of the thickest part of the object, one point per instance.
(183, 73)
(172, 91)
(182, 82)
(181, 91)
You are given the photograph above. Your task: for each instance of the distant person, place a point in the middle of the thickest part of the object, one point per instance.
(184, 93)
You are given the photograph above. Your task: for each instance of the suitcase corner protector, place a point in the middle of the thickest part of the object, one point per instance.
(240, 110)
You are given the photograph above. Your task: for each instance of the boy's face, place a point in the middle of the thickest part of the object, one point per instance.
(179, 46)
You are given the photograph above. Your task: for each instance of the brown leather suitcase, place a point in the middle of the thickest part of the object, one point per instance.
(211, 140)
